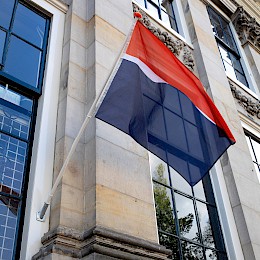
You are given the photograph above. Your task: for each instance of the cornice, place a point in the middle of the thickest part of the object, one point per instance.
(70, 243)
(247, 28)
(252, 7)
(176, 46)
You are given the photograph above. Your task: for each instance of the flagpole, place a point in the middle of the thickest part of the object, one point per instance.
(92, 111)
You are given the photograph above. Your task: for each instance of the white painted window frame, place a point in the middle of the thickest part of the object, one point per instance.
(41, 170)
(244, 62)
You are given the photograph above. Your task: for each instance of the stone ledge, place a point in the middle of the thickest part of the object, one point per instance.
(72, 243)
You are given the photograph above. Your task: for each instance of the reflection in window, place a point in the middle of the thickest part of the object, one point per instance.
(227, 47)
(254, 148)
(2, 42)
(161, 9)
(15, 120)
(187, 217)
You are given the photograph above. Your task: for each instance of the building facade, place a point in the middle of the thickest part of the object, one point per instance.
(116, 200)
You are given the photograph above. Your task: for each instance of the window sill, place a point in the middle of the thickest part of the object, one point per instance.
(245, 88)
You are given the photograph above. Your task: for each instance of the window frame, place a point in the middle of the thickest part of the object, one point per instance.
(234, 51)
(34, 94)
(209, 202)
(15, 81)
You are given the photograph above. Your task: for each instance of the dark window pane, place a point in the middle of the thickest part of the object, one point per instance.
(29, 25)
(2, 43)
(8, 224)
(205, 225)
(171, 243)
(23, 61)
(164, 208)
(186, 217)
(191, 251)
(241, 77)
(236, 63)
(6, 9)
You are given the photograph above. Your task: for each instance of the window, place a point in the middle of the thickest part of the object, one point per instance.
(187, 217)
(227, 47)
(254, 148)
(161, 9)
(23, 42)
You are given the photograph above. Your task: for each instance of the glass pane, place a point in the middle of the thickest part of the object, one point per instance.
(141, 2)
(250, 148)
(256, 147)
(153, 10)
(199, 191)
(165, 17)
(241, 77)
(229, 39)
(6, 12)
(205, 225)
(15, 113)
(159, 169)
(12, 163)
(179, 183)
(191, 251)
(8, 225)
(211, 255)
(23, 61)
(164, 208)
(186, 217)
(2, 43)
(29, 25)
(236, 63)
(171, 243)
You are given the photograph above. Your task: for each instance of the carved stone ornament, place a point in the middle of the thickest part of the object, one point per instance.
(177, 47)
(247, 28)
(251, 107)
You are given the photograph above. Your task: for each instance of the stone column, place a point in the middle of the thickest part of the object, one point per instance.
(104, 206)
(240, 176)
(248, 31)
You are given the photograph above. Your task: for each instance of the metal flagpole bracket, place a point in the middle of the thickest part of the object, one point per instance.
(40, 215)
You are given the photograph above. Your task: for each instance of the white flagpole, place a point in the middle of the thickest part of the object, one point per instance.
(92, 112)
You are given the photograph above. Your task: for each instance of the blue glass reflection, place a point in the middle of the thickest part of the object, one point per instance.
(6, 12)
(29, 25)
(2, 43)
(23, 61)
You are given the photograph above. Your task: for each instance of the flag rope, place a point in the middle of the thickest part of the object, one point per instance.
(92, 111)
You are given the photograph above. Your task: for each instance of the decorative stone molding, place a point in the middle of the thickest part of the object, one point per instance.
(247, 28)
(251, 107)
(108, 243)
(177, 47)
